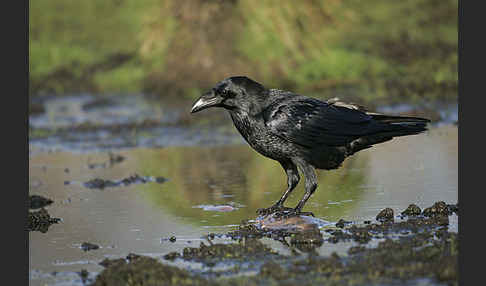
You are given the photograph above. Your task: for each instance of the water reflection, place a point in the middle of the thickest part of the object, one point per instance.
(239, 177)
(418, 169)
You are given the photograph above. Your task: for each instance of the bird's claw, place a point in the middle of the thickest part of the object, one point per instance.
(306, 213)
(281, 211)
(292, 213)
(273, 209)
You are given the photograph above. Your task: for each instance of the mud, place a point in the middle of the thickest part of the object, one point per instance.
(412, 210)
(87, 246)
(239, 257)
(96, 123)
(92, 122)
(99, 103)
(40, 221)
(385, 215)
(215, 253)
(278, 227)
(145, 271)
(307, 241)
(36, 106)
(341, 223)
(411, 222)
(98, 183)
(84, 275)
(37, 202)
(112, 160)
(391, 262)
(425, 252)
(440, 209)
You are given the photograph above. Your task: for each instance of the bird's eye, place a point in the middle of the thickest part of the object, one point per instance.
(228, 93)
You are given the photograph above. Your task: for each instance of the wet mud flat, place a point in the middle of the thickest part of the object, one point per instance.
(125, 191)
(92, 122)
(408, 249)
(89, 122)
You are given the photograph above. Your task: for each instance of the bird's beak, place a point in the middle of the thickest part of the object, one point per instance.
(208, 99)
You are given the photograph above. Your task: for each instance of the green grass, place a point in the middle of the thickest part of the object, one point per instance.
(69, 37)
(367, 49)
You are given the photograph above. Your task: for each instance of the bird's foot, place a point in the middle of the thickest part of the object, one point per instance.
(306, 213)
(274, 209)
(292, 213)
(281, 211)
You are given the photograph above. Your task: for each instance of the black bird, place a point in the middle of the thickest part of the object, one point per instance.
(302, 132)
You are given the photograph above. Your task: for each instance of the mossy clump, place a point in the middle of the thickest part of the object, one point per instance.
(210, 254)
(37, 202)
(87, 246)
(399, 261)
(246, 230)
(419, 248)
(385, 215)
(432, 218)
(147, 271)
(307, 241)
(313, 236)
(341, 223)
(439, 208)
(98, 183)
(412, 210)
(40, 221)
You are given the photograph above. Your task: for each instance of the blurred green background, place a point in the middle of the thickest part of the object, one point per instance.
(363, 50)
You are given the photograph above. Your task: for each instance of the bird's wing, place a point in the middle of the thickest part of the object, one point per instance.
(310, 122)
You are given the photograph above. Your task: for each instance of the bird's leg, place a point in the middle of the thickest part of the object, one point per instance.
(292, 181)
(310, 186)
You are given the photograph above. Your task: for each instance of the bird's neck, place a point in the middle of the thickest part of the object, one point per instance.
(245, 123)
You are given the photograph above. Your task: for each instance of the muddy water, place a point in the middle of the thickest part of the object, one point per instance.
(211, 189)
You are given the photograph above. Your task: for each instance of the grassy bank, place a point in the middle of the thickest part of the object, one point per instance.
(361, 50)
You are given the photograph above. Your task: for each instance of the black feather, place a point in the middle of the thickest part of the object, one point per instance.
(304, 132)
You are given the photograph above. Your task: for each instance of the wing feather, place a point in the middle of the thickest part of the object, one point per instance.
(310, 122)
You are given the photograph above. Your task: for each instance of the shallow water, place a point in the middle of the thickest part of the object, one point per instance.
(214, 180)
(213, 188)
(90, 123)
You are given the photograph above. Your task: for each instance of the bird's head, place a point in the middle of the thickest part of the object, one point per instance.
(237, 93)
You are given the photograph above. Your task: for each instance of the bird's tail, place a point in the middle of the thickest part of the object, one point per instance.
(392, 126)
(397, 125)
(401, 125)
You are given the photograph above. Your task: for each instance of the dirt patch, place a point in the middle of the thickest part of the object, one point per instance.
(413, 222)
(276, 227)
(141, 270)
(36, 107)
(84, 275)
(307, 241)
(40, 221)
(423, 257)
(341, 223)
(392, 261)
(87, 246)
(134, 179)
(440, 209)
(99, 103)
(416, 249)
(214, 253)
(412, 210)
(113, 160)
(385, 215)
(37, 202)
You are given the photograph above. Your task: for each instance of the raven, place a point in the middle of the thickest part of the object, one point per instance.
(302, 132)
